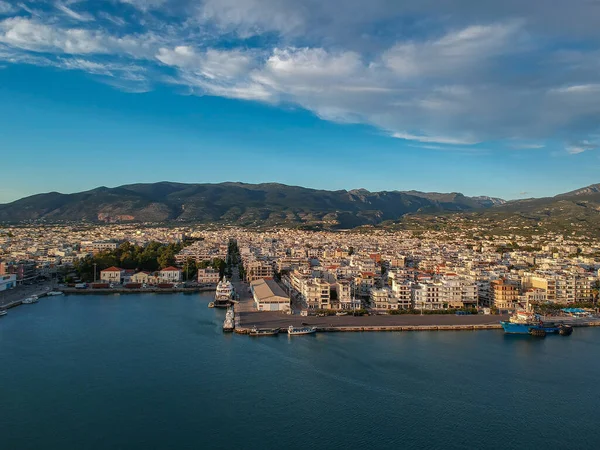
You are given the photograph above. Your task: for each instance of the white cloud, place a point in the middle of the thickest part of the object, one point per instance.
(82, 17)
(119, 21)
(455, 73)
(210, 63)
(30, 34)
(35, 36)
(145, 5)
(580, 147)
(248, 17)
(462, 50)
(581, 89)
(436, 139)
(525, 146)
(7, 8)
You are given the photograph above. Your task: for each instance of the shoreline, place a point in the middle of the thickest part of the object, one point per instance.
(108, 291)
(246, 320)
(359, 329)
(75, 291)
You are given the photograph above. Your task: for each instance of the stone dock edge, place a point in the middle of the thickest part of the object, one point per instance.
(357, 329)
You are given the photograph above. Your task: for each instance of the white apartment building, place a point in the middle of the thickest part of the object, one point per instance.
(402, 292)
(428, 295)
(382, 300)
(316, 294)
(562, 287)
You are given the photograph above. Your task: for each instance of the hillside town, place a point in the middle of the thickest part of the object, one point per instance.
(315, 271)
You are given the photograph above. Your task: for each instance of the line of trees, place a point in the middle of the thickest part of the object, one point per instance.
(152, 257)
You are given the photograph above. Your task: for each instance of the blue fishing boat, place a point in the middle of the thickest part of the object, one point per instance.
(523, 322)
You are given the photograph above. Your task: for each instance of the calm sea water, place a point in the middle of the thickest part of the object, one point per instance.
(155, 371)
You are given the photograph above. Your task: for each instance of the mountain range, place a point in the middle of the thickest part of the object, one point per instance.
(273, 203)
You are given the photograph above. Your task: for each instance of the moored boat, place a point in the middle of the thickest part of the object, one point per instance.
(264, 331)
(292, 330)
(52, 293)
(225, 294)
(30, 300)
(3, 312)
(229, 323)
(523, 322)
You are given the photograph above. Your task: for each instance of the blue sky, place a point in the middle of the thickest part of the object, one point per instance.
(485, 99)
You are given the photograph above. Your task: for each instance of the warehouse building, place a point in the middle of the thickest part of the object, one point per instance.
(268, 296)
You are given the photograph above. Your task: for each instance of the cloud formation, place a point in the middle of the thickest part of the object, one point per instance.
(454, 73)
(580, 147)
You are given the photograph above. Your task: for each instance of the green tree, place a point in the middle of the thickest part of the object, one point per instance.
(166, 258)
(190, 269)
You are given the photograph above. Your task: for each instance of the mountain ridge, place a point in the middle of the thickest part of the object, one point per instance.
(277, 204)
(246, 203)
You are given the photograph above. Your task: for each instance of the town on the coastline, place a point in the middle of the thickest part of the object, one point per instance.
(315, 272)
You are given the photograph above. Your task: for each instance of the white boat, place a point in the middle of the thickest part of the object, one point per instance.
(30, 300)
(3, 312)
(55, 293)
(225, 294)
(301, 330)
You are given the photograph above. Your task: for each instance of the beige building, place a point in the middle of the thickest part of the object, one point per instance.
(170, 275)
(208, 276)
(112, 275)
(255, 270)
(143, 277)
(268, 296)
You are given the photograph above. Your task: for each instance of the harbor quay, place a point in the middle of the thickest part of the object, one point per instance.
(249, 319)
(13, 297)
(373, 323)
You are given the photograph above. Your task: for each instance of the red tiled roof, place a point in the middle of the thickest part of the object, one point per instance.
(112, 269)
(170, 269)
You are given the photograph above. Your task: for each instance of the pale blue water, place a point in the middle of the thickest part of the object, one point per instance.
(155, 371)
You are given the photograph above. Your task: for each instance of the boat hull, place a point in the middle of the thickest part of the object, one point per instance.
(516, 328)
(301, 331)
(264, 332)
(525, 328)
